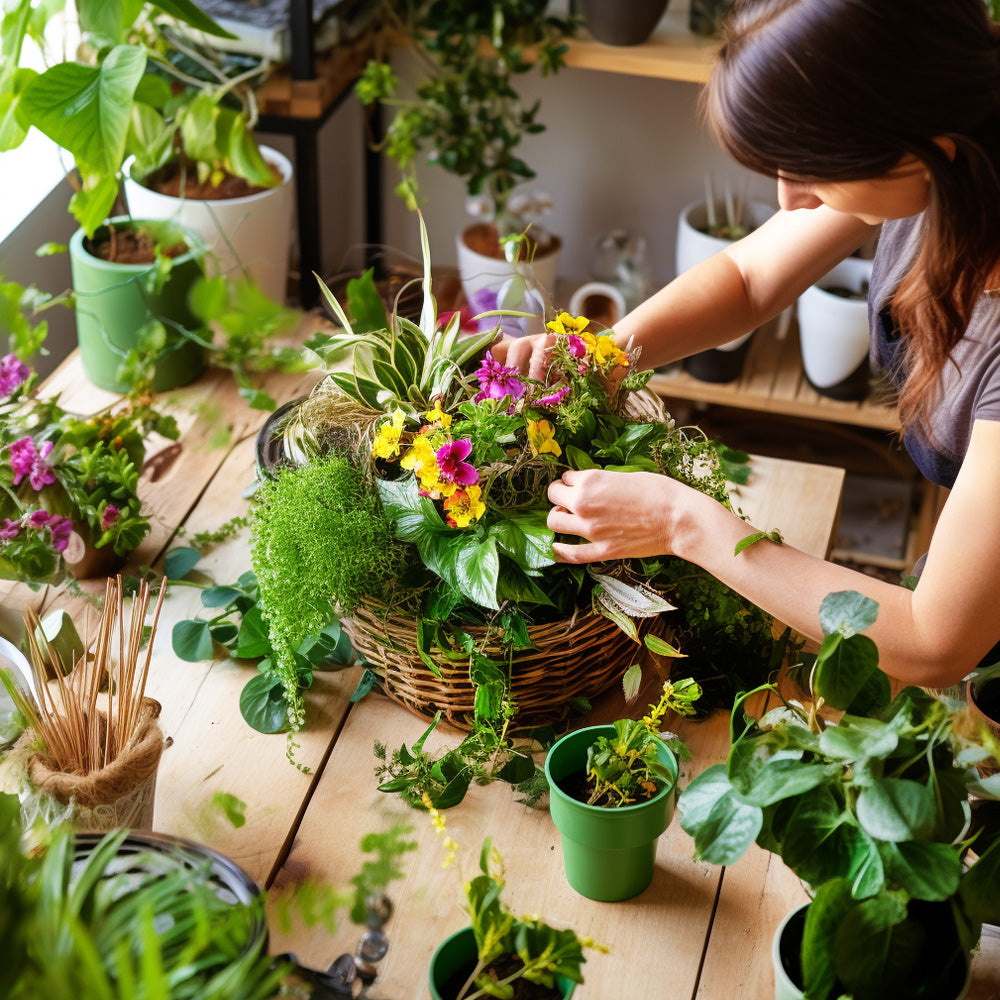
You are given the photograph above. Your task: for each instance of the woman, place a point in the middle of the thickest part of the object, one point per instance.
(866, 112)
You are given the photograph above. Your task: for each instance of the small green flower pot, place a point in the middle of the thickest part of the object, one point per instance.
(115, 301)
(608, 853)
(457, 955)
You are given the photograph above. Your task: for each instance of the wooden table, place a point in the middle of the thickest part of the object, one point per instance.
(698, 931)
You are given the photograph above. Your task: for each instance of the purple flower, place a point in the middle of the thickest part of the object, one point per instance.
(9, 528)
(61, 528)
(42, 519)
(109, 516)
(452, 467)
(12, 374)
(554, 398)
(498, 381)
(576, 346)
(28, 461)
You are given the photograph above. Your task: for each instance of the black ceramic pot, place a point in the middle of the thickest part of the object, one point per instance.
(714, 365)
(622, 22)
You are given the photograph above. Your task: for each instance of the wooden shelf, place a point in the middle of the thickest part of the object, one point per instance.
(772, 381)
(671, 53)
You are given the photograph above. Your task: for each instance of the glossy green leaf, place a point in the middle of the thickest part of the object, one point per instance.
(824, 915)
(896, 809)
(924, 869)
(262, 704)
(177, 563)
(192, 640)
(843, 668)
(847, 612)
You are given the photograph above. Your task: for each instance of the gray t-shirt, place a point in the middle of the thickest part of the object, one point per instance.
(969, 386)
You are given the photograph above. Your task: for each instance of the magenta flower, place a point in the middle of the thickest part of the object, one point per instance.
(498, 381)
(9, 528)
(61, 528)
(42, 519)
(13, 373)
(452, 467)
(576, 346)
(28, 461)
(554, 398)
(109, 516)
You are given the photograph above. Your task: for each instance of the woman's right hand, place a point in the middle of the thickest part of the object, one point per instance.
(529, 355)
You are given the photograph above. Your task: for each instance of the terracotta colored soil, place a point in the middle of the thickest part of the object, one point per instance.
(129, 246)
(482, 237)
(181, 180)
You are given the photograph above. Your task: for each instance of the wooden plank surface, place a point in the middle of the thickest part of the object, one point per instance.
(667, 924)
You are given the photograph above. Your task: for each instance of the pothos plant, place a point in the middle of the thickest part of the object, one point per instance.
(509, 948)
(871, 811)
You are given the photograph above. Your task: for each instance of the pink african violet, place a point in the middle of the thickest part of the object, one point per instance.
(452, 467)
(42, 519)
(13, 372)
(27, 460)
(497, 380)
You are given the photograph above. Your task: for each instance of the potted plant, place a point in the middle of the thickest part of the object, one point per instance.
(68, 482)
(467, 112)
(498, 952)
(833, 330)
(616, 23)
(704, 228)
(138, 86)
(871, 812)
(612, 791)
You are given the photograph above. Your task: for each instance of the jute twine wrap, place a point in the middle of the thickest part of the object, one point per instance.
(577, 657)
(119, 795)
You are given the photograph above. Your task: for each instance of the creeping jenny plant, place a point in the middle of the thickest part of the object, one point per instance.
(872, 811)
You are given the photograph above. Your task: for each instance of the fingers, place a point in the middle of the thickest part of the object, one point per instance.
(583, 553)
(539, 362)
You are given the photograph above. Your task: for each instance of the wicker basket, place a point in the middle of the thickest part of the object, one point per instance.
(578, 657)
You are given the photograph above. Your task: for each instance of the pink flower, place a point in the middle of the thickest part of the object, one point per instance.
(554, 398)
(452, 467)
(42, 519)
(9, 528)
(28, 461)
(576, 346)
(12, 374)
(109, 516)
(497, 380)
(61, 528)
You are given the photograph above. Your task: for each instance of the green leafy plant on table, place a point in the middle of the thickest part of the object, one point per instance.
(453, 455)
(498, 949)
(625, 768)
(871, 811)
(135, 84)
(62, 473)
(467, 111)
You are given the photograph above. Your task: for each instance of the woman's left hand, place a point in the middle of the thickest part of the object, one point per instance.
(621, 515)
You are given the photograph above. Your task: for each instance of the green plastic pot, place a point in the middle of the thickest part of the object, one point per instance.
(113, 305)
(609, 853)
(457, 954)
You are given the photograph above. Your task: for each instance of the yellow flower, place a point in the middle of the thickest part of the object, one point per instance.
(541, 438)
(464, 506)
(421, 460)
(565, 324)
(451, 848)
(605, 349)
(438, 416)
(386, 444)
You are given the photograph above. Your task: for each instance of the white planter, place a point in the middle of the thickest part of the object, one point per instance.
(694, 246)
(531, 294)
(253, 232)
(834, 331)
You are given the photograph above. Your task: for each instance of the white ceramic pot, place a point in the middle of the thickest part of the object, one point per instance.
(694, 246)
(834, 331)
(254, 232)
(480, 273)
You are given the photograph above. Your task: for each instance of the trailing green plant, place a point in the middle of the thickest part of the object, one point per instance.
(240, 629)
(138, 84)
(871, 811)
(509, 948)
(466, 110)
(625, 768)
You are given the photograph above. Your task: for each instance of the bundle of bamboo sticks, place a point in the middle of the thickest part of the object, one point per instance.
(83, 731)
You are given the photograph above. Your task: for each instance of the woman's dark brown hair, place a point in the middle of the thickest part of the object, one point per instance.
(841, 90)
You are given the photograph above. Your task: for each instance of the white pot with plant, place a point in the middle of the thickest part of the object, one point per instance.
(705, 228)
(467, 113)
(834, 330)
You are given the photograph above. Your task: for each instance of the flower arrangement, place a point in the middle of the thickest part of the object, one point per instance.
(62, 473)
(453, 453)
